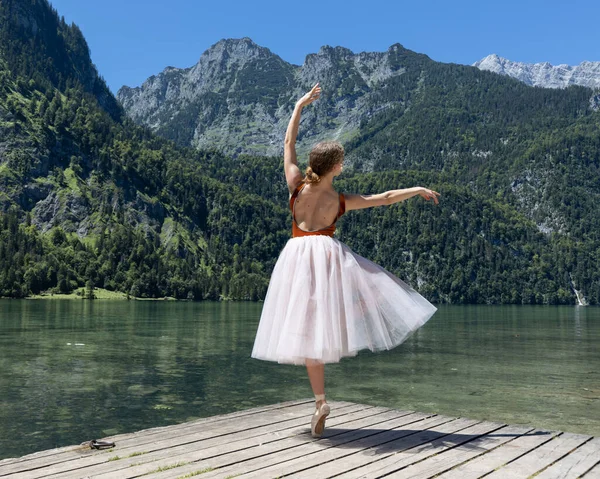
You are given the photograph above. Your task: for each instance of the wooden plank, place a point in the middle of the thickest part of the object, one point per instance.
(446, 460)
(593, 473)
(498, 457)
(259, 453)
(194, 451)
(277, 419)
(279, 409)
(256, 422)
(576, 463)
(405, 458)
(427, 433)
(328, 456)
(158, 430)
(541, 457)
(434, 427)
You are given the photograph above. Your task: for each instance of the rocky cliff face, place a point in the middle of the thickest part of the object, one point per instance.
(239, 96)
(544, 74)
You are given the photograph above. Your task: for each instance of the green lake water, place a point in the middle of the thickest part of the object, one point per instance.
(73, 370)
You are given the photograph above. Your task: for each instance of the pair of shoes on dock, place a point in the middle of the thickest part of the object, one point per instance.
(95, 444)
(317, 423)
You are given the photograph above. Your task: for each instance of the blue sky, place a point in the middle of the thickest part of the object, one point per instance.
(132, 39)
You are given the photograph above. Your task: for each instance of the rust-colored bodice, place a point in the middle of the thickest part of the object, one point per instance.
(296, 231)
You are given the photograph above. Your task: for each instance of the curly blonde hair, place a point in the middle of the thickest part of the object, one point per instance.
(321, 160)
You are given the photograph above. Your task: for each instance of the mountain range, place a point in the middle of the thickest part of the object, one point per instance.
(239, 95)
(544, 74)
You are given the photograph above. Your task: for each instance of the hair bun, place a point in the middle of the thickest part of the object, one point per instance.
(311, 176)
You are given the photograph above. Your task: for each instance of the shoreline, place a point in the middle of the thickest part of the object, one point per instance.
(99, 293)
(105, 294)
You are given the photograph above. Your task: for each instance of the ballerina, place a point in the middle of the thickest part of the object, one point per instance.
(324, 301)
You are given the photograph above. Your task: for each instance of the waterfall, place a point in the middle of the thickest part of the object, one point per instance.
(581, 301)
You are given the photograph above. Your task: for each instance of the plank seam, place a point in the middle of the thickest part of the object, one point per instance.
(485, 452)
(408, 449)
(562, 457)
(590, 469)
(524, 454)
(445, 450)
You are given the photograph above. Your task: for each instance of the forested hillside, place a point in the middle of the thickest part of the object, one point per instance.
(88, 196)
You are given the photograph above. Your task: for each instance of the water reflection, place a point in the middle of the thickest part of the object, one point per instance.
(577, 318)
(77, 370)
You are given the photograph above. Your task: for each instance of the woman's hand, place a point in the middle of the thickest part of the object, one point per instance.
(311, 96)
(429, 194)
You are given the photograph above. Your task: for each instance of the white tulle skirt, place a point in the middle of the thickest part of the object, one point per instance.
(325, 302)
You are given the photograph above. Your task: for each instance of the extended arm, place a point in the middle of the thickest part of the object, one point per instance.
(293, 176)
(357, 202)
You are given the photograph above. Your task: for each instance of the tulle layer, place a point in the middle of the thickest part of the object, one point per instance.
(325, 302)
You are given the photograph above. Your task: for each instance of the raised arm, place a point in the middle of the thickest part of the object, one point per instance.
(293, 176)
(358, 202)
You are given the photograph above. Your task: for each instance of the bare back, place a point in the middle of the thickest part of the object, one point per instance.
(316, 208)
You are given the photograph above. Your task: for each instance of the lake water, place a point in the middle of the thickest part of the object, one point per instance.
(74, 370)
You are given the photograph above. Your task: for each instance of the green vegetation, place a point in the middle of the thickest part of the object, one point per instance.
(99, 293)
(134, 454)
(197, 473)
(161, 407)
(124, 211)
(166, 468)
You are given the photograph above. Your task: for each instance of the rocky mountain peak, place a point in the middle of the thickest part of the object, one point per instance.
(544, 74)
(493, 62)
(338, 51)
(235, 50)
(396, 47)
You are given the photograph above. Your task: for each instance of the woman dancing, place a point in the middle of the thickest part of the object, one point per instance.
(324, 301)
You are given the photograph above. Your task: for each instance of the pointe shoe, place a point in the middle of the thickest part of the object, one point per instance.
(317, 423)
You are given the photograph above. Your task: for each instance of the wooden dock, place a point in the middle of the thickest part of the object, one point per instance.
(360, 441)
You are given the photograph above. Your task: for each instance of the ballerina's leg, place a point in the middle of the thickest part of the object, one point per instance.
(316, 376)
